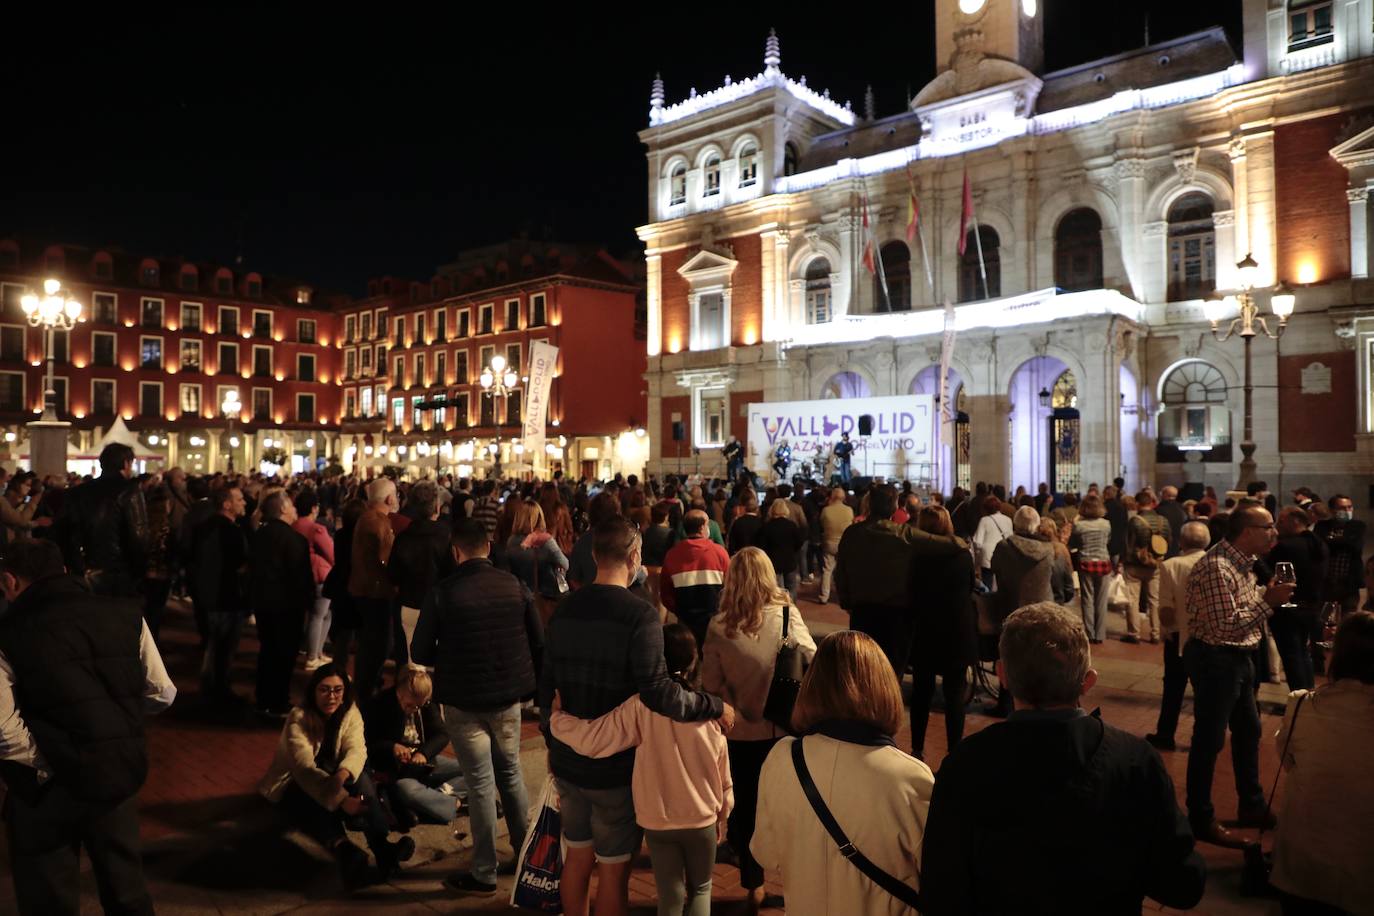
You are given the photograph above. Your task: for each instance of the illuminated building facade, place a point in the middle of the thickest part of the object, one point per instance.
(1112, 201)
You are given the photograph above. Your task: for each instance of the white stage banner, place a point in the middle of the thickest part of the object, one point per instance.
(899, 447)
(543, 359)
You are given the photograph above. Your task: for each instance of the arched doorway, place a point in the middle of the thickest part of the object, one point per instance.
(1044, 426)
(1194, 416)
(846, 385)
(955, 468)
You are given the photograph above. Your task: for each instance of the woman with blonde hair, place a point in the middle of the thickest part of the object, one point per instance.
(1061, 579)
(848, 711)
(535, 557)
(738, 658)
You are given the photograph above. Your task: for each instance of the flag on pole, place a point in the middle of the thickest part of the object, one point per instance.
(966, 217)
(873, 258)
(913, 209)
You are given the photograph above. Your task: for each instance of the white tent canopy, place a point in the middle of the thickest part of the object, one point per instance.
(118, 434)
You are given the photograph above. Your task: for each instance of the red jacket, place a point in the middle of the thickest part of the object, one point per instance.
(693, 575)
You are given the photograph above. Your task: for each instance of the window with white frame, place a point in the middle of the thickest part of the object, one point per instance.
(513, 357)
(365, 325)
(460, 409)
(398, 374)
(190, 316)
(1192, 248)
(441, 368)
(365, 401)
(484, 356)
(262, 324)
(262, 405)
(102, 348)
(419, 377)
(420, 329)
(228, 359)
(461, 376)
(817, 291)
(190, 400)
(711, 185)
(398, 337)
(229, 320)
(748, 165)
(262, 362)
(150, 399)
(305, 367)
(398, 413)
(13, 343)
(305, 330)
(104, 308)
(351, 362)
(305, 408)
(1309, 23)
(484, 318)
(538, 310)
(381, 361)
(381, 323)
(512, 314)
(150, 352)
(102, 397)
(416, 414)
(381, 400)
(677, 185)
(350, 328)
(365, 355)
(440, 325)
(710, 428)
(462, 323)
(350, 403)
(190, 355)
(151, 311)
(709, 321)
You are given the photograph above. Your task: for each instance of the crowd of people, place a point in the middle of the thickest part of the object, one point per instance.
(642, 623)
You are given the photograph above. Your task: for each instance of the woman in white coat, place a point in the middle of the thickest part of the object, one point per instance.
(848, 711)
(993, 528)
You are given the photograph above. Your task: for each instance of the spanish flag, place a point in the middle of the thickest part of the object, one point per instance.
(913, 209)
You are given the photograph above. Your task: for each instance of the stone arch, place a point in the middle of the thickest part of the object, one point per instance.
(824, 374)
(993, 217)
(706, 152)
(737, 146)
(1205, 181)
(675, 160)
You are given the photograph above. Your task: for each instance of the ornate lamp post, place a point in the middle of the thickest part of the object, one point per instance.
(1247, 324)
(498, 380)
(55, 310)
(232, 408)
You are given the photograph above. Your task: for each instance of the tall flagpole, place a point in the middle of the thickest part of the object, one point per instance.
(920, 233)
(877, 250)
(982, 268)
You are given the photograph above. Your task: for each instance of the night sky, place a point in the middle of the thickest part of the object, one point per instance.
(337, 149)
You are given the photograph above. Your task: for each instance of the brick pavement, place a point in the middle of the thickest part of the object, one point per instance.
(213, 846)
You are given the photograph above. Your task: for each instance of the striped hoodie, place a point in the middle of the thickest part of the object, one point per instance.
(693, 575)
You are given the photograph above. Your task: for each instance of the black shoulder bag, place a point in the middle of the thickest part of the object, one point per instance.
(899, 889)
(786, 684)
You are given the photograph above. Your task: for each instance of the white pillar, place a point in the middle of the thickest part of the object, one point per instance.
(1359, 231)
(654, 301)
(1226, 278)
(1259, 187)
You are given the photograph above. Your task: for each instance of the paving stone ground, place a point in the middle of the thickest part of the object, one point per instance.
(213, 846)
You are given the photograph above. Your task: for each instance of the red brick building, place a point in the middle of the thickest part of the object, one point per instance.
(160, 343)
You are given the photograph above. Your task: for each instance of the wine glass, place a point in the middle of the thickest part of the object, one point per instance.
(1330, 618)
(1284, 574)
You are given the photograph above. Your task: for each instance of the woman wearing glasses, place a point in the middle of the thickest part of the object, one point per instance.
(317, 779)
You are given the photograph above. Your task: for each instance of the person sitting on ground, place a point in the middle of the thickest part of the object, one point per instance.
(849, 709)
(317, 779)
(681, 785)
(1321, 850)
(405, 736)
(1086, 821)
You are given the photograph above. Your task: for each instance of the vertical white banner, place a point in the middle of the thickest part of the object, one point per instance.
(543, 359)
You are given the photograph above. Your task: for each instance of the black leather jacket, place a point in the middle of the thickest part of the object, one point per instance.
(103, 530)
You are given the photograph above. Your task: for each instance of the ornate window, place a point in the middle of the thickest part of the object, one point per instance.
(897, 274)
(677, 185)
(971, 286)
(748, 165)
(1309, 23)
(711, 186)
(1194, 417)
(1066, 466)
(1078, 251)
(818, 309)
(1192, 248)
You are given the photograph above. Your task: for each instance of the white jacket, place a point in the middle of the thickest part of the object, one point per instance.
(992, 530)
(880, 798)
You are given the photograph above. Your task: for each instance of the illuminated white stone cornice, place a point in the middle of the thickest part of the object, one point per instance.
(734, 91)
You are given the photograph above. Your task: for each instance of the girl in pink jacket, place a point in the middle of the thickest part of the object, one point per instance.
(681, 784)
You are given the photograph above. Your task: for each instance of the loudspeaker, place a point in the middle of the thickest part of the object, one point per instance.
(866, 424)
(679, 431)
(857, 483)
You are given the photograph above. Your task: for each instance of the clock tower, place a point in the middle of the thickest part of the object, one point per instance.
(1012, 30)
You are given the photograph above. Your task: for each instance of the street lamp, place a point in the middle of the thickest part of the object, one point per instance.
(55, 310)
(231, 409)
(1247, 324)
(498, 381)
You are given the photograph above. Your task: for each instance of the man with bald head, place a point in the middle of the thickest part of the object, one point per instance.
(693, 575)
(1193, 538)
(1227, 609)
(1171, 509)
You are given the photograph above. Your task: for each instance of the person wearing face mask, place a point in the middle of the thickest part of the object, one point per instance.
(1344, 537)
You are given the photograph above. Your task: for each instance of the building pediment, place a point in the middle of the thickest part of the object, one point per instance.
(1356, 152)
(708, 267)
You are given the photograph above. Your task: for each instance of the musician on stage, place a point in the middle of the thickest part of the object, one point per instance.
(782, 459)
(843, 451)
(734, 459)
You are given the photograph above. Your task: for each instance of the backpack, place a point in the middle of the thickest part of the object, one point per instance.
(1148, 550)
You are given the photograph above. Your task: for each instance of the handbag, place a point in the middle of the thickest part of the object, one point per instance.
(1254, 875)
(788, 669)
(899, 889)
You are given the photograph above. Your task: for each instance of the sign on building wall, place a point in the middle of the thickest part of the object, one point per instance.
(543, 359)
(899, 446)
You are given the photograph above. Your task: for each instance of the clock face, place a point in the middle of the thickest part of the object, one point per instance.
(969, 7)
(1028, 7)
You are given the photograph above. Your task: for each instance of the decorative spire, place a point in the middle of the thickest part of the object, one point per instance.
(772, 54)
(869, 104)
(656, 93)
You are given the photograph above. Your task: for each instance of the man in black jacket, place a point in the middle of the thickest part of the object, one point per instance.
(480, 630)
(1054, 811)
(420, 555)
(103, 528)
(77, 674)
(1291, 626)
(282, 593)
(219, 561)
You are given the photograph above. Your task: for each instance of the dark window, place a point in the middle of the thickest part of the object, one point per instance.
(262, 324)
(488, 411)
(485, 327)
(12, 391)
(1192, 248)
(1078, 251)
(537, 317)
(306, 372)
(189, 280)
(190, 318)
(61, 346)
(102, 397)
(420, 329)
(513, 315)
(254, 289)
(513, 357)
(677, 193)
(228, 359)
(897, 273)
(103, 269)
(229, 321)
(262, 404)
(103, 349)
(971, 286)
(224, 285)
(152, 313)
(460, 368)
(305, 408)
(9, 257)
(262, 362)
(463, 323)
(104, 309)
(305, 331)
(441, 326)
(149, 400)
(59, 390)
(150, 275)
(12, 345)
(789, 159)
(460, 410)
(513, 408)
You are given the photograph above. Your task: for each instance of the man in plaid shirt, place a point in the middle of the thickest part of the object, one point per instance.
(1227, 609)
